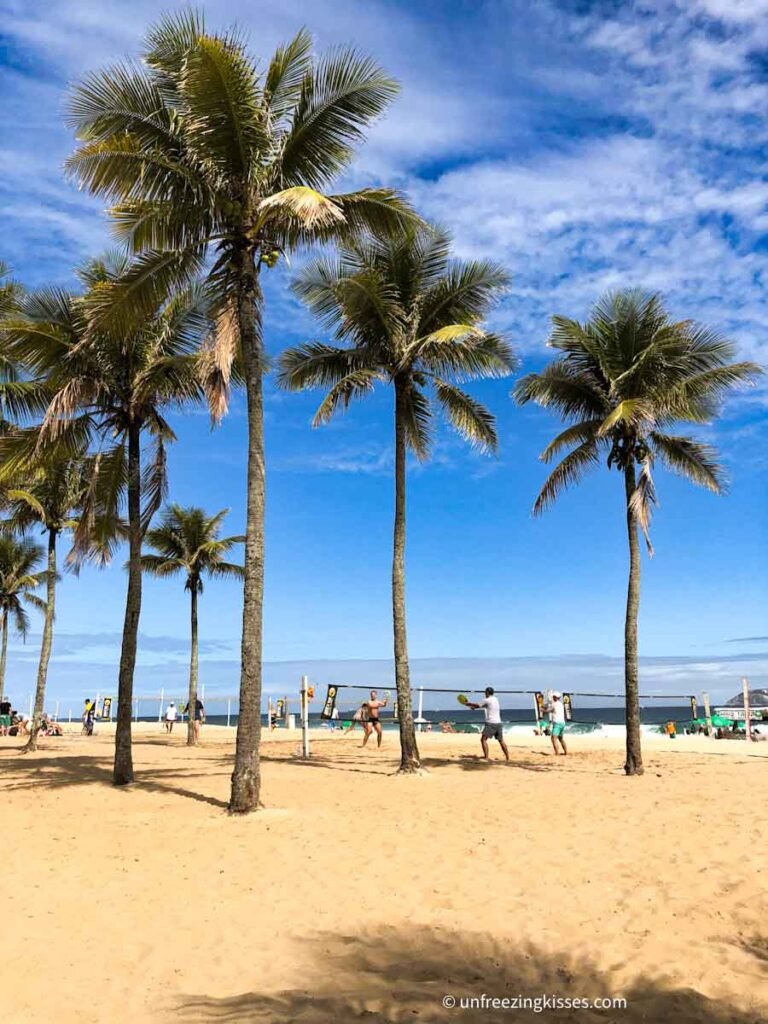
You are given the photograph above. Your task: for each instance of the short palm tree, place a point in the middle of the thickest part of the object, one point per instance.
(21, 574)
(111, 387)
(622, 381)
(199, 148)
(412, 318)
(49, 499)
(187, 542)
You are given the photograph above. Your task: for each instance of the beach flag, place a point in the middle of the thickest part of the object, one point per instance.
(539, 698)
(568, 707)
(330, 702)
(106, 708)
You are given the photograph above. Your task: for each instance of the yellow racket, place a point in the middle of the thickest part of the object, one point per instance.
(463, 698)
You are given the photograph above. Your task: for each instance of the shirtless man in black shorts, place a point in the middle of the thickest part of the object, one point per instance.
(374, 706)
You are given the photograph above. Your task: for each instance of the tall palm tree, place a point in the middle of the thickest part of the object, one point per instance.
(622, 381)
(111, 387)
(200, 147)
(49, 498)
(412, 318)
(187, 541)
(20, 576)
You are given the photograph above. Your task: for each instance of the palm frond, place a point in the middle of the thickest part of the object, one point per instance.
(315, 365)
(692, 459)
(287, 70)
(469, 417)
(224, 126)
(353, 385)
(417, 419)
(583, 431)
(569, 471)
(338, 99)
(644, 499)
(571, 393)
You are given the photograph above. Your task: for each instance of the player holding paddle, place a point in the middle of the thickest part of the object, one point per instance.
(493, 728)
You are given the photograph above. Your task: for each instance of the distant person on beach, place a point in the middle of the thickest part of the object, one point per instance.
(88, 714)
(493, 728)
(557, 722)
(671, 730)
(5, 716)
(170, 716)
(334, 720)
(373, 722)
(199, 715)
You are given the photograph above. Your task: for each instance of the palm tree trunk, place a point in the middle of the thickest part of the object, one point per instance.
(191, 733)
(409, 752)
(4, 651)
(246, 775)
(634, 762)
(47, 644)
(123, 768)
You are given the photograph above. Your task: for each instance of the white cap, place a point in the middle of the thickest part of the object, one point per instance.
(556, 693)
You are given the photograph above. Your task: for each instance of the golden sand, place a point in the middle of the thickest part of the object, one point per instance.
(360, 895)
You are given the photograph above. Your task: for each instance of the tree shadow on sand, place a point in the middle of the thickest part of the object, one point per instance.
(391, 976)
(23, 772)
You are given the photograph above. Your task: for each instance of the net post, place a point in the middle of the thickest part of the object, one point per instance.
(421, 706)
(304, 717)
(229, 710)
(162, 698)
(745, 691)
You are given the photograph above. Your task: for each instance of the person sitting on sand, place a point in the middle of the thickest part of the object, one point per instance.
(170, 716)
(447, 727)
(557, 722)
(50, 728)
(373, 724)
(20, 723)
(493, 728)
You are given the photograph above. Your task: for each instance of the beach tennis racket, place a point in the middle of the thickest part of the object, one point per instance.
(463, 698)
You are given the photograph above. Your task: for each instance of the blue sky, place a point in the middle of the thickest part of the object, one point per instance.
(586, 146)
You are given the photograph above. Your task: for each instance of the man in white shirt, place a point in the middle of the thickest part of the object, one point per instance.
(557, 719)
(493, 728)
(170, 716)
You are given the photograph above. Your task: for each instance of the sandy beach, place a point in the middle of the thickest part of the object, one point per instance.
(359, 895)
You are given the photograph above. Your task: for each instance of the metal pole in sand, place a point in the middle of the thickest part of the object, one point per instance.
(31, 705)
(229, 709)
(745, 689)
(421, 707)
(160, 709)
(70, 716)
(56, 712)
(304, 717)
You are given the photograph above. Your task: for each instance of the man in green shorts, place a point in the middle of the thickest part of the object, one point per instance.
(5, 716)
(557, 720)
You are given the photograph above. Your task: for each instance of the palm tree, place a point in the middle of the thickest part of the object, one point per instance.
(49, 498)
(20, 575)
(623, 380)
(111, 387)
(410, 317)
(198, 148)
(187, 541)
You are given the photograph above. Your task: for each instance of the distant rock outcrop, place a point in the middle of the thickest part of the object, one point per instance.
(757, 699)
